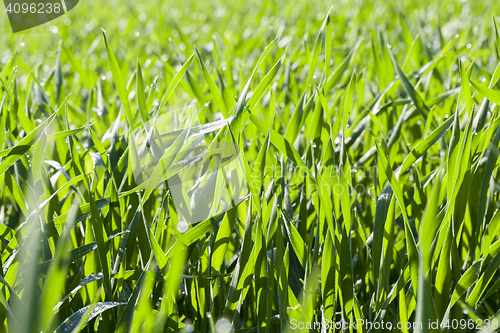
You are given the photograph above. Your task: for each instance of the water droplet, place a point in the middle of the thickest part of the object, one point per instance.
(224, 326)
(182, 226)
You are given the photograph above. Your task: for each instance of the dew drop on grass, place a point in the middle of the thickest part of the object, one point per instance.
(469, 45)
(97, 111)
(182, 226)
(223, 326)
(137, 34)
(22, 44)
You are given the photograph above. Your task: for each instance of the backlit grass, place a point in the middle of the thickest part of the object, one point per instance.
(368, 139)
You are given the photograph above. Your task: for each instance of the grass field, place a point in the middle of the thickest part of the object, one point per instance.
(252, 166)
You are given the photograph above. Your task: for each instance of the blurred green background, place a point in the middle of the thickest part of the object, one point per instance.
(155, 30)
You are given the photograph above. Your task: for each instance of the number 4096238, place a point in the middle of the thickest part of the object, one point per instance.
(40, 8)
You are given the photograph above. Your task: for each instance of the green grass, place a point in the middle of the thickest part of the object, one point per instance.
(368, 140)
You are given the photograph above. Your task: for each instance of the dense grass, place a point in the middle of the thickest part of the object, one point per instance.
(367, 140)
